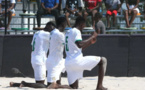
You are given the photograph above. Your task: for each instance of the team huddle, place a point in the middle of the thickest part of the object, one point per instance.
(53, 39)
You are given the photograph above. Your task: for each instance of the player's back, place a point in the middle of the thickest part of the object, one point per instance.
(72, 50)
(40, 43)
(56, 46)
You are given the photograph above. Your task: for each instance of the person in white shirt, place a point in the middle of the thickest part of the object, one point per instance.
(75, 62)
(10, 10)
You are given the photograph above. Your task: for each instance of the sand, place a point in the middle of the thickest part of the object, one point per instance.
(87, 83)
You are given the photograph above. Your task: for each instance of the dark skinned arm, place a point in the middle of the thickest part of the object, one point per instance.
(136, 5)
(85, 43)
(98, 5)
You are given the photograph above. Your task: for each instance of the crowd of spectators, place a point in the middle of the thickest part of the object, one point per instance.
(76, 8)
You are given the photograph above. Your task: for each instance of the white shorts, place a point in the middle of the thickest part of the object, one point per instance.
(39, 71)
(12, 10)
(54, 71)
(39, 66)
(132, 6)
(76, 67)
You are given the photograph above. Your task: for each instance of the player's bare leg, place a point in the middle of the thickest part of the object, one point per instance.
(102, 70)
(12, 84)
(40, 81)
(33, 85)
(54, 85)
(75, 85)
(59, 81)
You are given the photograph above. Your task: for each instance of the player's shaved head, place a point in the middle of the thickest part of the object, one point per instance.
(61, 23)
(49, 26)
(50, 23)
(79, 20)
(80, 23)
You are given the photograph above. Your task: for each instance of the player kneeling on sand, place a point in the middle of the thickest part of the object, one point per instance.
(55, 62)
(75, 62)
(40, 45)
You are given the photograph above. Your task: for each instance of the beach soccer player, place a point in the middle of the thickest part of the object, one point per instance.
(55, 62)
(75, 62)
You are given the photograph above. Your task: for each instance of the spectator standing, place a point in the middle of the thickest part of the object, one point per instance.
(92, 7)
(99, 27)
(72, 9)
(132, 10)
(10, 10)
(113, 6)
(47, 7)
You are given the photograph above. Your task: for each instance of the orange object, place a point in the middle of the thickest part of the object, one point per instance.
(138, 13)
(13, 14)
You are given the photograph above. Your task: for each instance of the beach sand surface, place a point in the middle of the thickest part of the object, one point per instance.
(87, 83)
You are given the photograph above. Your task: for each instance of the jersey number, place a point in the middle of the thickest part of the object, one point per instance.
(33, 45)
(66, 45)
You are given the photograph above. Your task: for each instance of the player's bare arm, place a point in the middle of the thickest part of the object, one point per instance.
(85, 43)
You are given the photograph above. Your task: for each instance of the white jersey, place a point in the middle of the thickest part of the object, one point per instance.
(72, 50)
(56, 47)
(40, 44)
(55, 62)
(12, 1)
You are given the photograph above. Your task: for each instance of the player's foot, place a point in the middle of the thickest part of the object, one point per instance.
(64, 86)
(53, 86)
(11, 84)
(22, 84)
(103, 88)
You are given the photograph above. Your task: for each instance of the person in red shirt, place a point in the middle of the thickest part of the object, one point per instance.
(92, 7)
